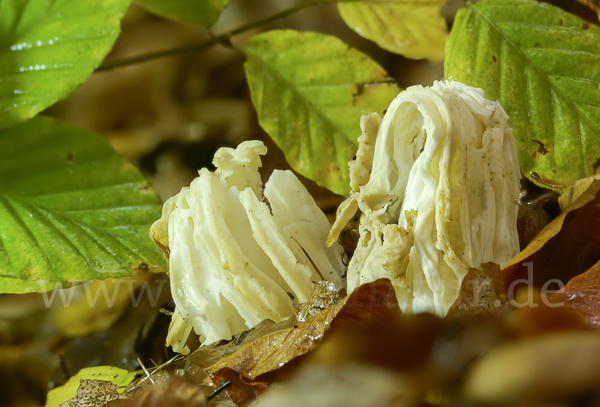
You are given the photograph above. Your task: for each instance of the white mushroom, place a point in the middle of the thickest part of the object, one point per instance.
(235, 260)
(437, 182)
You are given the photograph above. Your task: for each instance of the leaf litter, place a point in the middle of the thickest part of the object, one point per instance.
(447, 349)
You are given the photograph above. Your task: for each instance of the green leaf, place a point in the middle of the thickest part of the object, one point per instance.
(309, 91)
(71, 209)
(202, 12)
(47, 48)
(412, 28)
(12, 285)
(542, 64)
(117, 376)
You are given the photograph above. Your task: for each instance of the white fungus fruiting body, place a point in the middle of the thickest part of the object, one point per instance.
(437, 181)
(235, 260)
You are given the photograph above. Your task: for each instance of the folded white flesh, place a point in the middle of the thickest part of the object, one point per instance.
(236, 259)
(437, 182)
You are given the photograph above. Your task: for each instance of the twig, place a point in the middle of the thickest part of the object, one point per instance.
(223, 38)
(309, 259)
(154, 370)
(536, 177)
(145, 371)
(219, 390)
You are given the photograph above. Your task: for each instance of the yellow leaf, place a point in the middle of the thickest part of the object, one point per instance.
(412, 28)
(96, 305)
(110, 374)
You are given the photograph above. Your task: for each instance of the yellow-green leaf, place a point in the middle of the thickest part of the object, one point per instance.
(47, 48)
(71, 209)
(205, 12)
(117, 376)
(412, 28)
(309, 91)
(542, 64)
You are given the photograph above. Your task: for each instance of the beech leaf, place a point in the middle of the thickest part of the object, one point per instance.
(175, 392)
(533, 216)
(582, 294)
(268, 353)
(541, 63)
(309, 91)
(102, 377)
(482, 292)
(571, 193)
(565, 248)
(47, 48)
(412, 28)
(75, 210)
(205, 12)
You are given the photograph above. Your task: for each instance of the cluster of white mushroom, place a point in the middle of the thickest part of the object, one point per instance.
(436, 181)
(238, 256)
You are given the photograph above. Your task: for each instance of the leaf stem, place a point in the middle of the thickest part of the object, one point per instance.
(223, 38)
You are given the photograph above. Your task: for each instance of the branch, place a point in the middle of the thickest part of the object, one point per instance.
(223, 38)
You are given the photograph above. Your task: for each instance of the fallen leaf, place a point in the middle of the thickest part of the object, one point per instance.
(392, 340)
(93, 393)
(258, 363)
(582, 294)
(176, 392)
(323, 296)
(572, 192)
(206, 356)
(345, 384)
(111, 376)
(534, 216)
(482, 292)
(96, 305)
(590, 280)
(546, 367)
(540, 314)
(568, 246)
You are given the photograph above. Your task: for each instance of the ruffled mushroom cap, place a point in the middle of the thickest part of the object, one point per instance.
(437, 182)
(238, 257)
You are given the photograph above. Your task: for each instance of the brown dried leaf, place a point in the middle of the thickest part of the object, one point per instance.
(582, 294)
(590, 280)
(81, 389)
(196, 363)
(533, 217)
(539, 315)
(323, 296)
(343, 384)
(565, 248)
(259, 362)
(93, 393)
(392, 340)
(482, 292)
(176, 392)
(548, 367)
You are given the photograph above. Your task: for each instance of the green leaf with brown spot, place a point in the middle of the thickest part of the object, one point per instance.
(541, 63)
(309, 91)
(109, 374)
(71, 209)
